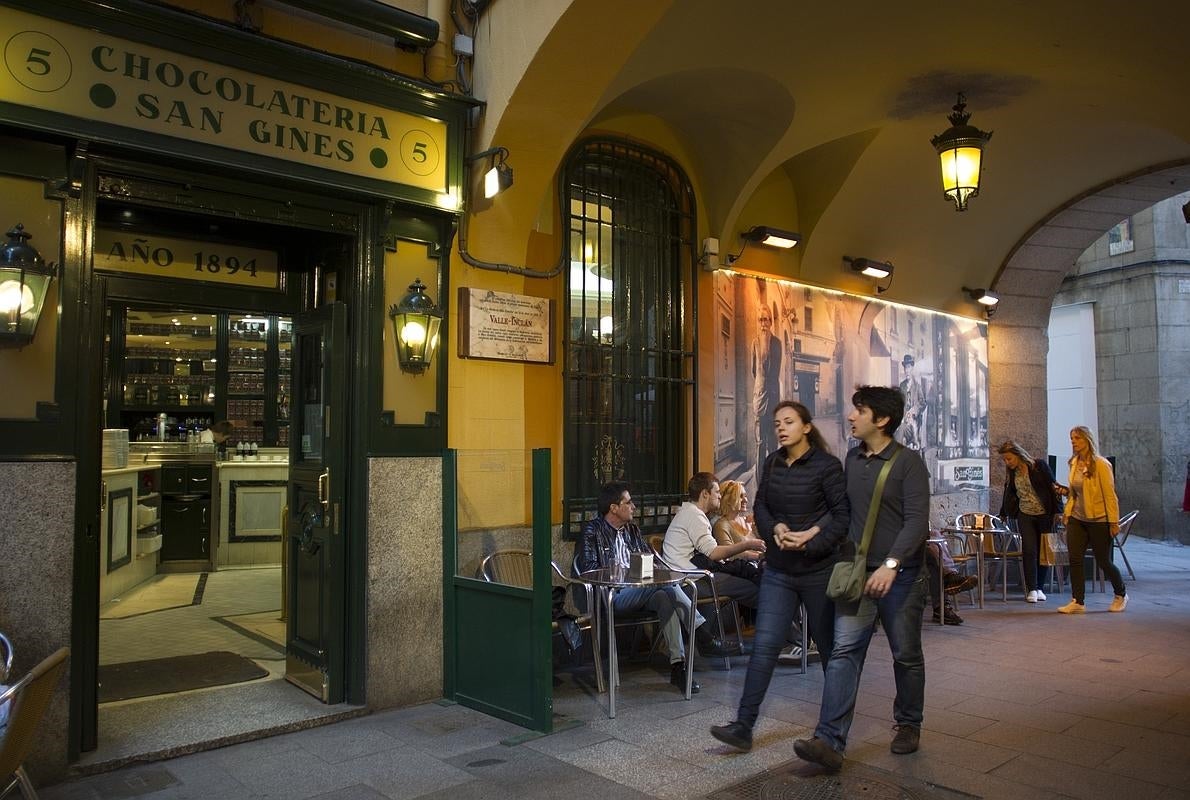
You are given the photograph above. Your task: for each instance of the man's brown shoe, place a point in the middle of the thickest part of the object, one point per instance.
(907, 739)
(818, 752)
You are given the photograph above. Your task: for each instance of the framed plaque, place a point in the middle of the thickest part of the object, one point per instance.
(506, 327)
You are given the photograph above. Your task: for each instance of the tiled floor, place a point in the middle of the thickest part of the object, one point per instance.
(1021, 702)
(181, 722)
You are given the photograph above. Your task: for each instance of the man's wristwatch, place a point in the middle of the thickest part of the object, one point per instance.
(892, 563)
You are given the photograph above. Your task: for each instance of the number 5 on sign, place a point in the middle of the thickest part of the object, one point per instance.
(37, 61)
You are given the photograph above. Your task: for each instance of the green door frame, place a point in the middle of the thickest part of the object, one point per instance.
(509, 625)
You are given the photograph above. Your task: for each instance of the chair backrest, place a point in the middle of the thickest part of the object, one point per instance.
(1125, 528)
(511, 567)
(978, 521)
(6, 654)
(28, 699)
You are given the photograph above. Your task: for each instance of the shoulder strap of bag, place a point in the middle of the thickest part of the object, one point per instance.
(874, 508)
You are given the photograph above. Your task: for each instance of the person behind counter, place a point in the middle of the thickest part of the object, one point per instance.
(216, 434)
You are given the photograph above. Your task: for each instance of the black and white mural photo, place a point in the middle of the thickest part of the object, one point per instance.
(778, 340)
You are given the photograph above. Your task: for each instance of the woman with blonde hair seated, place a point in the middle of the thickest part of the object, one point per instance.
(734, 524)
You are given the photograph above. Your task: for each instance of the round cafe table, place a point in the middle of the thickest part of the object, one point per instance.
(610, 580)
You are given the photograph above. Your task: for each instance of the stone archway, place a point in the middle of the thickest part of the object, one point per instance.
(1027, 283)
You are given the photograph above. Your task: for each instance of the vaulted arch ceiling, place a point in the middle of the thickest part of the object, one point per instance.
(818, 117)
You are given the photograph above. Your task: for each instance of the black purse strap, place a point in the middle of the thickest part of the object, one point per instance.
(874, 507)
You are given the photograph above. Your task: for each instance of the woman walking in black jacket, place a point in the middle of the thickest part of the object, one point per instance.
(1029, 498)
(802, 514)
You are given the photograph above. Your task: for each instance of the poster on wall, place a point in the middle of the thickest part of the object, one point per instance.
(778, 340)
(505, 327)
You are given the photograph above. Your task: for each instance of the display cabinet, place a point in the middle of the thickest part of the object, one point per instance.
(197, 368)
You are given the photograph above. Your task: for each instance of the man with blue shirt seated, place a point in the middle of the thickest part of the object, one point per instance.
(609, 540)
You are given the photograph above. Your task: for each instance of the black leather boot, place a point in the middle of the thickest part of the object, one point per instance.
(710, 647)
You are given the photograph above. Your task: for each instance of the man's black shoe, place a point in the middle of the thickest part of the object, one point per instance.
(736, 734)
(710, 647)
(677, 676)
(956, 583)
(952, 616)
(818, 752)
(907, 739)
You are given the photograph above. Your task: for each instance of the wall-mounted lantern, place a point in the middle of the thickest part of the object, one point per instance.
(24, 281)
(415, 328)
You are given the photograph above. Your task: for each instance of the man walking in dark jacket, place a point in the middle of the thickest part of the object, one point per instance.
(895, 587)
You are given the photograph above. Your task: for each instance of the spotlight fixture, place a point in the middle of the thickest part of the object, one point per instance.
(499, 175)
(984, 297)
(960, 149)
(873, 269)
(771, 237)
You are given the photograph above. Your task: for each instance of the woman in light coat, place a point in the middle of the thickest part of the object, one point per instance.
(1092, 516)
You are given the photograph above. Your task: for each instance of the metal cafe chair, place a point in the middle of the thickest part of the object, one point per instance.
(514, 567)
(27, 701)
(1001, 544)
(1121, 538)
(714, 599)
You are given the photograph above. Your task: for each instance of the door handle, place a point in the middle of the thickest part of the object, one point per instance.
(102, 496)
(324, 488)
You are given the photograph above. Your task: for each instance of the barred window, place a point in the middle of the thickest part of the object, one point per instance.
(629, 367)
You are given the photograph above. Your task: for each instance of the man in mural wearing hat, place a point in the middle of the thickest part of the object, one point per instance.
(915, 405)
(766, 381)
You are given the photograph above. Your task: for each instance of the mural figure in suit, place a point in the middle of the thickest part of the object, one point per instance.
(913, 428)
(766, 382)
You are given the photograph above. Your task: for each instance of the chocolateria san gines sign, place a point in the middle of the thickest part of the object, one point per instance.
(54, 66)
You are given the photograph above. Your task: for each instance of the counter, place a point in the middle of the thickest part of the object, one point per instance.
(129, 539)
(252, 503)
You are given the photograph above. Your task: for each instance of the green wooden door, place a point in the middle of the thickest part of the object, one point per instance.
(498, 633)
(316, 568)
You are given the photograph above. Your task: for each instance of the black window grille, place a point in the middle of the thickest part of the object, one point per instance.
(630, 330)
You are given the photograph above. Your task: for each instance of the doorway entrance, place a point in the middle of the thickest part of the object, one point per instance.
(224, 460)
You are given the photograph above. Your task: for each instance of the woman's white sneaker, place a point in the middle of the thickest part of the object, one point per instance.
(1031, 597)
(1119, 603)
(1040, 596)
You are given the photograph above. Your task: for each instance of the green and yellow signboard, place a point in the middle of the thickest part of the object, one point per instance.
(185, 259)
(58, 67)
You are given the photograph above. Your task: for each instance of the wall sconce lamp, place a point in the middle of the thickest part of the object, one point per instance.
(24, 281)
(960, 149)
(499, 175)
(769, 237)
(415, 323)
(985, 298)
(876, 270)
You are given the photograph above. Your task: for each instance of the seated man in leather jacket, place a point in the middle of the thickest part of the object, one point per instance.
(608, 540)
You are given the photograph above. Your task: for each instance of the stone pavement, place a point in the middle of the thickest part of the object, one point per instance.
(1021, 702)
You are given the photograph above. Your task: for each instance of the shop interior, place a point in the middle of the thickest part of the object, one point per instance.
(195, 468)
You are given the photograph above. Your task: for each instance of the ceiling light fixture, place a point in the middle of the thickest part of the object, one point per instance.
(960, 150)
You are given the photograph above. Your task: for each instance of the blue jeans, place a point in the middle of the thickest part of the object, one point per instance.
(670, 603)
(780, 595)
(900, 615)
